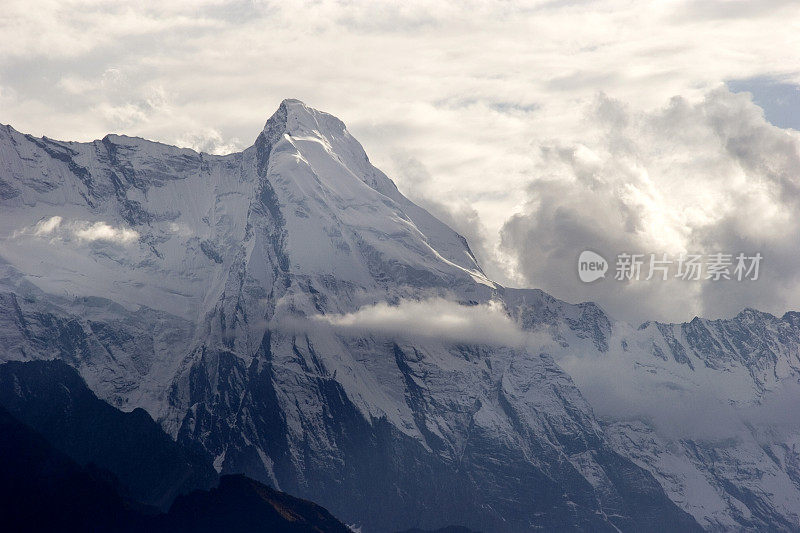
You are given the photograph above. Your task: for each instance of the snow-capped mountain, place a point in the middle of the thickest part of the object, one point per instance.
(242, 301)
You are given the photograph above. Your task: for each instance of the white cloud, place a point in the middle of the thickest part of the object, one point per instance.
(47, 226)
(100, 231)
(705, 177)
(57, 228)
(435, 318)
(209, 141)
(75, 85)
(180, 229)
(153, 101)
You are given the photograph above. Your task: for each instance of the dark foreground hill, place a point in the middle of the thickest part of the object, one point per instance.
(71, 462)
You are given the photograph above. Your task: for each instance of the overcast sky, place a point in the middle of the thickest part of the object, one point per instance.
(536, 129)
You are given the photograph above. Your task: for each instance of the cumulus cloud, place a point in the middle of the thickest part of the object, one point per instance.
(436, 318)
(705, 177)
(181, 229)
(100, 231)
(209, 141)
(419, 186)
(124, 112)
(47, 226)
(57, 228)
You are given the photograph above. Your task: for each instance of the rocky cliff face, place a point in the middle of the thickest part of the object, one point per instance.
(238, 299)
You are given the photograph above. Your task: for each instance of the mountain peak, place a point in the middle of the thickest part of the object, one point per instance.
(296, 119)
(292, 101)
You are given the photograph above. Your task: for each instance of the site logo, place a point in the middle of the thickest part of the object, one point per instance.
(591, 266)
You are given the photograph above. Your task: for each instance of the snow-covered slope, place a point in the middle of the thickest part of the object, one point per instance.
(710, 410)
(708, 407)
(227, 296)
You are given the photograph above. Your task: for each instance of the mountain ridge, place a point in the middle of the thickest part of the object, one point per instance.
(206, 319)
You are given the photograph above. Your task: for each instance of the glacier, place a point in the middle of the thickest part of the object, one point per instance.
(210, 290)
